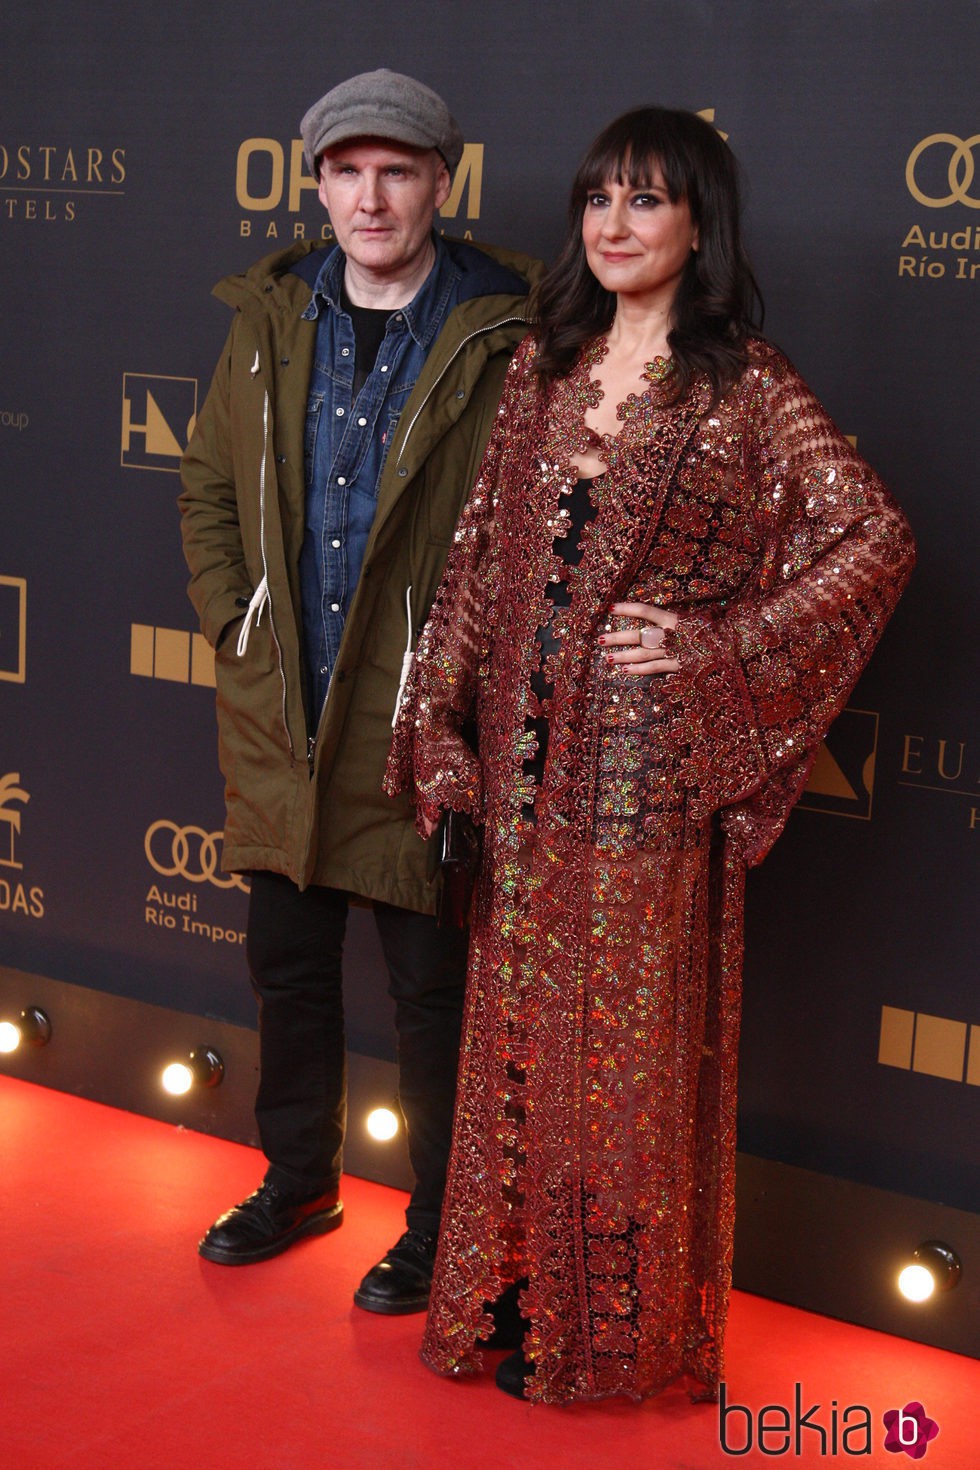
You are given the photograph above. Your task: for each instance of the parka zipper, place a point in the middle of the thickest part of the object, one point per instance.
(480, 332)
(260, 602)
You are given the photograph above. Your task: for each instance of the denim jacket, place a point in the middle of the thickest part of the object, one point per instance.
(345, 445)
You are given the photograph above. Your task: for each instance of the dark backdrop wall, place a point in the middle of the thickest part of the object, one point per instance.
(144, 155)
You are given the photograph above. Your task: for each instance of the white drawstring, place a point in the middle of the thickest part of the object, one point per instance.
(406, 658)
(260, 597)
(257, 606)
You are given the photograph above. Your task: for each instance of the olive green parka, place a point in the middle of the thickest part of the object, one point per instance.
(312, 807)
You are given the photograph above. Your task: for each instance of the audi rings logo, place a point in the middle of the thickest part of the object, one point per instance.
(188, 852)
(960, 170)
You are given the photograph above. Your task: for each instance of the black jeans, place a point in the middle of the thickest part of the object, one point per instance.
(295, 944)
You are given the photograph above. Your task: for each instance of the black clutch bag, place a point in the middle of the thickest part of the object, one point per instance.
(455, 859)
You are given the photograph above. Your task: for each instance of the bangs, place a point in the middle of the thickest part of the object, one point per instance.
(632, 150)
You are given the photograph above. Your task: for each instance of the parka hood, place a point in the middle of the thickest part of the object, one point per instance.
(485, 270)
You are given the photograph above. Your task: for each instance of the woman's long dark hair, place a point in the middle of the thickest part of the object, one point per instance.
(718, 303)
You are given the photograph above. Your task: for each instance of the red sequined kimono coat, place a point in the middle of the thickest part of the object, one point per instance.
(595, 1130)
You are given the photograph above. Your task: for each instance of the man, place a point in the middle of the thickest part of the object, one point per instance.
(344, 426)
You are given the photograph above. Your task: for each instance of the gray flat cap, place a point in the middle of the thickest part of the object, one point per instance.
(382, 104)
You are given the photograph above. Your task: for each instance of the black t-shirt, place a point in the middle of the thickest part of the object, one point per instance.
(370, 325)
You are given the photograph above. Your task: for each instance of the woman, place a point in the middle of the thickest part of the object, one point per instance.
(667, 579)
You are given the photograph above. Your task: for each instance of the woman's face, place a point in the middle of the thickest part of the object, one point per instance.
(637, 241)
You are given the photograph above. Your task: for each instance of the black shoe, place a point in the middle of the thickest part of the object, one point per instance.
(401, 1282)
(509, 1326)
(267, 1223)
(513, 1373)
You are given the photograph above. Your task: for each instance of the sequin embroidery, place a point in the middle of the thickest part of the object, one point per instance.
(594, 1139)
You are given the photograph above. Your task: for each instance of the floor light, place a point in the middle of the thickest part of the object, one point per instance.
(31, 1029)
(933, 1267)
(382, 1124)
(203, 1068)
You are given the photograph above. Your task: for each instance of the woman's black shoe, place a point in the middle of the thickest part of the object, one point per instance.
(513, 1373)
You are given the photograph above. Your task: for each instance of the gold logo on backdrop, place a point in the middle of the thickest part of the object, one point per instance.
(261, 166)
(708, 113)
(941, 765)
(11, 795)
(941, 171)
(468, 177)
(960, 170)
(171, 654)
(188, 852)
(271, 177)
(16, 897)
(158, 417)
(13, 629)
(935, 1045)
(842, 777)
(45, 182)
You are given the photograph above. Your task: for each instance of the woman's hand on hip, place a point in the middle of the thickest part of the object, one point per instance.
(648, 649)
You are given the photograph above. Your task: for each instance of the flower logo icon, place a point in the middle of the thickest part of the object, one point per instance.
(909, 1429)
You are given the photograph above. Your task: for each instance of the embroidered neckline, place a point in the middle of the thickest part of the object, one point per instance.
(574, 395)
(659, 370)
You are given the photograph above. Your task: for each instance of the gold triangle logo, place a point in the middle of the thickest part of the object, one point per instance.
(159, 436)
(827, 778)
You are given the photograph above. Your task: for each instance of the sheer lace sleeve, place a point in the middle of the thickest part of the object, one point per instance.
(428, 750)
(762, 681)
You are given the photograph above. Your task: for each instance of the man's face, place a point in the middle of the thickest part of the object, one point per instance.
(381, 196)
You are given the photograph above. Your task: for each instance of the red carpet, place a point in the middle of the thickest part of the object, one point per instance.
(120, 1347)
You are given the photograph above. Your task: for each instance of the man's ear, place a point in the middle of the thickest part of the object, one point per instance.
(443, 184)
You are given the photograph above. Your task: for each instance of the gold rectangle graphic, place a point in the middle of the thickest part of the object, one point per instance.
(141, 650)
(895, 1041)
(202, 661)
(940, 1047)
(937, 1046)
(171, 654)
(973, 1061)
(13, 629)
